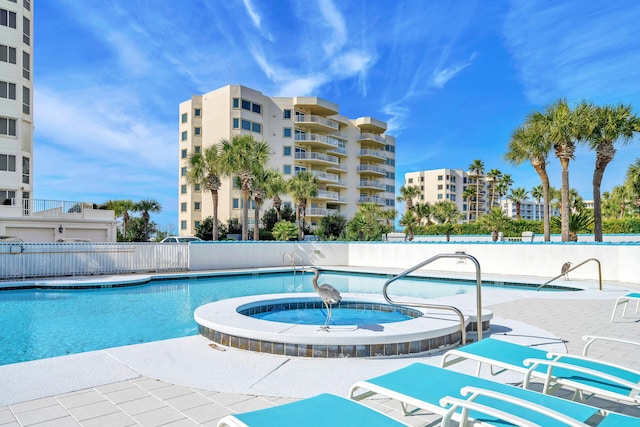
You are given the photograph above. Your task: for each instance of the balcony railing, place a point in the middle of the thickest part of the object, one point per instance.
(372, 153)
(331, 195)
(372, 168)
(311, 137)
(321, 212)
(312, 119)
(47, 208)
(372, 184)
(326, 176)
(372, 137)
(311, 155)
(370, 199)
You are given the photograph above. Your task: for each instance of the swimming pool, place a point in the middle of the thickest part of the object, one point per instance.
(41, 323)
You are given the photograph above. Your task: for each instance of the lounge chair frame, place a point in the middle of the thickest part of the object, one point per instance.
(625, 300)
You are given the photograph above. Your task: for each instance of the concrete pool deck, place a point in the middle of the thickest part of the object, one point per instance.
(186, 382)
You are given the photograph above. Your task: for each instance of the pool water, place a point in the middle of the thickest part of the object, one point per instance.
(339, 316)
(42, 323)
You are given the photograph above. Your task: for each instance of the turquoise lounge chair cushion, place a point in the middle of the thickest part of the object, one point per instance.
(319, 411)
(429, 384)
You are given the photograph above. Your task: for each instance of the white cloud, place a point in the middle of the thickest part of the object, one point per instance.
(335, 20)
(253, 14)
(443, 75)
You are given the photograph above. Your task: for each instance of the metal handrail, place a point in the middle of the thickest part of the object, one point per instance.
(292, 258)
(573, 268)
(456, 255)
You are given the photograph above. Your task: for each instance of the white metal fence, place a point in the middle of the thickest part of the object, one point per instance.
(29, 260)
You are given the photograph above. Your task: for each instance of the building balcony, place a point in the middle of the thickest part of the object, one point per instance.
(316, 158)
(315, 140)
(375, 155)
(316, 105)
(370, 184)
(339, 135)
(339, 183)
(378, 141)
(334, 196)
(319, 123)
(321, 212)
(372, 169)
(338, 151)
(17, 207)
(337, 168)
(369, 124)
(325, 176)
(372, 199)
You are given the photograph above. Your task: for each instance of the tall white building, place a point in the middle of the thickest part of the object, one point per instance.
(449, 184)
(16, 107)
(353, 159)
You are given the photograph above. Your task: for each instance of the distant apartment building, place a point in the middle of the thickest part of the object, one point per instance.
(449, 184)
(16, 95)
(353, 159)
(529, 209)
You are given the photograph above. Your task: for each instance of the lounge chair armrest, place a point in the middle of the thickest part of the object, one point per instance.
(592, 338)
(467, 405)
(474, 392)
(534, 363)
(231, 421)
(564, 357)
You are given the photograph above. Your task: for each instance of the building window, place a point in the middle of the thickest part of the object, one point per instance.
(7, 18)
(287, 114)
(286, 132)
(422, 197)
(27, 4)
(286, 169)
(439, 196)
(246, 105)
(246, 125)
(439, 186)
(286, 150)
(7, 90)
(196, 206)
(422, 179)
(26, 65)
(236, 203)
(25, 170)
(7, 196)
(256, 108)
(197, 131)
(196, 188)
(183, 154)
(7, 126)
(184, 135)
(183, 171)
(183, 207)
(26, 100)
(196, 224)
(236, 102)
(256, 127)
(453, 197)
(439, 177)
(184, 118)
(7, 162)
(410, 180)
(183, 225)
(7, 54)
(236, 123)
(183, 189)
(197, 112)
(26, 31)
(422, 188)
(197, 148)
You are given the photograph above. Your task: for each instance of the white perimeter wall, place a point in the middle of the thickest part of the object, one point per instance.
(619, 261)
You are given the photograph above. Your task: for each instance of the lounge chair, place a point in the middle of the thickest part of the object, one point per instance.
(626, 300)
(582, 374)
(469, 408)
(321, 410)
(421, 387)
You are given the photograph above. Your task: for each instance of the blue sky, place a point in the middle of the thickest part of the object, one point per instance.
(452, 78)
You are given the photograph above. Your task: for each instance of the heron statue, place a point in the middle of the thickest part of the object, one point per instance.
(565, 268)
(329, 295)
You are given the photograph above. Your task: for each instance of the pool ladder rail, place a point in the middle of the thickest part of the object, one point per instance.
(573, 268)
(292, 261)
(457, 255)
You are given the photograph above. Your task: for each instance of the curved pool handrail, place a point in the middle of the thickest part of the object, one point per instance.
(457, 255)
(573, 268)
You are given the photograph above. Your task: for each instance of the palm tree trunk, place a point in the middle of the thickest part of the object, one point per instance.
(245, 214)
(477, 198)
(564, 207)
(256, 220)
(542, 173)
(597, 201)
(214, 202)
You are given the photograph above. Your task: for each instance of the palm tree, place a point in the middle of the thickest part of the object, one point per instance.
(446, 212)
(531, 142)
(423, 210)
(537, 193)
(504, 184)
(407, 194)
(409, 221)
(121, 208)
(245, 157)
(205, 169)
(495, 221)
(564, 127)
(493, 176)
(608, 126)
(274, 186)
(578, 222)
(259, 192)
(576, 202)
(476, 169)
(302, 187)
(145, 206)
(517, 196)
(633, 182)
(388, 215)
(468, 193)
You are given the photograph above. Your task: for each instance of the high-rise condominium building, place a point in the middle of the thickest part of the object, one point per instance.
(353, 159)
(449, 184)
(16, 107)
